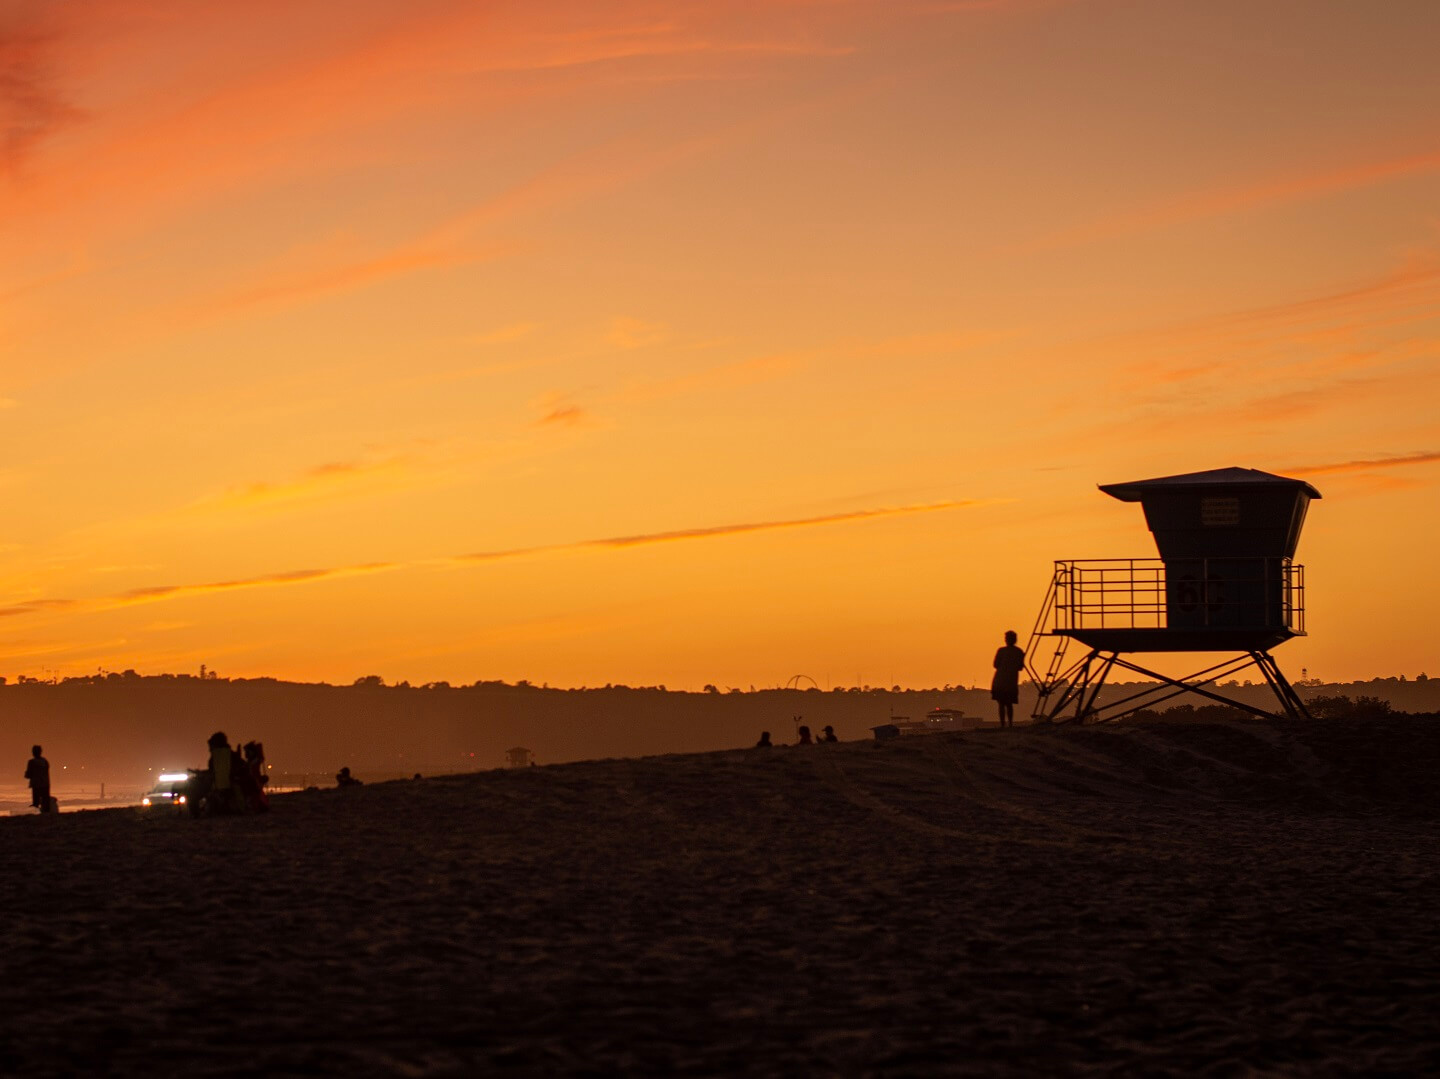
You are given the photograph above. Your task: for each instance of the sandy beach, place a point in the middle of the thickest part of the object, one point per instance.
(1227, 898)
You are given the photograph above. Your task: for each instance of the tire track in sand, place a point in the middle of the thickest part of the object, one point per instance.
(645, 805)
(969, 785)
(1101, 777)
(827, 769)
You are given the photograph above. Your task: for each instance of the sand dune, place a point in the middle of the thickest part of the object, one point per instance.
(1241, 898)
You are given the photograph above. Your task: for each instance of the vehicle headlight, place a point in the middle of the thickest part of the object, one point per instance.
(144, 801)
(180, 798)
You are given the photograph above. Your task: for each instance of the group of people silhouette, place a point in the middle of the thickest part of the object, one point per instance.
(233, 781)
(803, 736)
(343, 778)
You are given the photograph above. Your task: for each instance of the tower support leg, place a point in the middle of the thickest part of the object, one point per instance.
(1083, 690)
(1082, 684)
(1289, 699)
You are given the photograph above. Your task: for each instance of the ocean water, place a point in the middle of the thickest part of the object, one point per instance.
(84, 794)
(89, 794)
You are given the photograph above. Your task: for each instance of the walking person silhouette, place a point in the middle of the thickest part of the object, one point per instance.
(1005, 686)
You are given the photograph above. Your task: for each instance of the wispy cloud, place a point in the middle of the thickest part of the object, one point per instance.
(1216, 202)
(158, 593)
(303, 78)
(564, 416)
(322, 480)
(971, 7)
(31, 106)
(39, 606)
(771, 526)
(1407, 286)
(1344, 352)
(72, 650)
(460, 239)
(283, 285)
(716, 531)
(1371, 464)
(284, 114)
(736, 373)
(1330, 333)
(769, 367)
(635, 333)
(503, 335)
(269, 580)
(941, 342)
(1288, 405)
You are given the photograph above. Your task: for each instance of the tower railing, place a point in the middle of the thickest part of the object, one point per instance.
(1189, 594)
(1116, 606)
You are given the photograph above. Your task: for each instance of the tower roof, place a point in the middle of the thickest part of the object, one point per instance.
(1215, 479)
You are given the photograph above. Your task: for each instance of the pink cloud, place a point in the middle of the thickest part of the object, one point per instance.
(283, 286)
(1216, 202)
(31, 105)
(1333, 332)
(239, 103)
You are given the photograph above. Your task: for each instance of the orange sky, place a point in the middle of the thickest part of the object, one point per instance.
(688, 342)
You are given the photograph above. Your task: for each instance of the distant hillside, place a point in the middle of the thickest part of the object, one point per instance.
(121, 726)
(129, 724)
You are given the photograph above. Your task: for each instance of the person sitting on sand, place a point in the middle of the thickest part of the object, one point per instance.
(805, 739)
(343, 778)
(37, 773)
(252, 773)
(254, 754)
(1005, 686)
(764, 742)
(828, 734)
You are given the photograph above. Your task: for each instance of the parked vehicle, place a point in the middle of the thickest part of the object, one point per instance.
(171, 789)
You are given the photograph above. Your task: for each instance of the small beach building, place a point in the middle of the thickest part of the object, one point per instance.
(936, 720)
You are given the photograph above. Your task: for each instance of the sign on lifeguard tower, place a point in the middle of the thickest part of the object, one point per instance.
(1225, 582)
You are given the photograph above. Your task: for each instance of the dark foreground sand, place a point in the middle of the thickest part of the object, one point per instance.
(1228, 899)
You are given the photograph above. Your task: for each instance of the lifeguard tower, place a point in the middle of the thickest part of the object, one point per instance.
(519, 757)
(1224, 583)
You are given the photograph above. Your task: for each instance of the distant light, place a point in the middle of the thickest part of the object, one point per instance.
(181, 799)
(174, 777)
(144, 801)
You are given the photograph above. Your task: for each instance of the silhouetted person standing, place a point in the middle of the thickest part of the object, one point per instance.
(1005, 686)
(224, 774)
(805, 739)
(764, 742)
(828, 734)
(37, 771)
